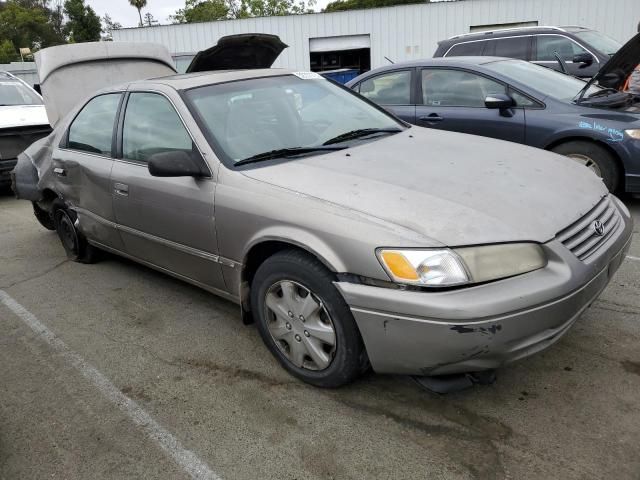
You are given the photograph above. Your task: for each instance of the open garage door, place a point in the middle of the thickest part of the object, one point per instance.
(345, 51)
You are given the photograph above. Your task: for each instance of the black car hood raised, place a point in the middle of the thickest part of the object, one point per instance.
(615, 72)
(236, 52)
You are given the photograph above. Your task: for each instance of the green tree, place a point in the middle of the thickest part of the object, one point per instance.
(272, 8)
(211, 10)
(201, 11)
(8, 52)
(341, 5)
(149, 20)
(28, 24)
(84, 24)
(138, 5)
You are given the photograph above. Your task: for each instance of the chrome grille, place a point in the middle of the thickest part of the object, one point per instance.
(581, 237)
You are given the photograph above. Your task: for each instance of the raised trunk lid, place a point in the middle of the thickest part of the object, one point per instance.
(70, 73)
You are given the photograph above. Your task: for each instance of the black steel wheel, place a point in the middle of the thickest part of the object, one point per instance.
(74, 243)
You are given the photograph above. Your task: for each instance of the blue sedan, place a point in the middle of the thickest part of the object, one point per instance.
(517, 101)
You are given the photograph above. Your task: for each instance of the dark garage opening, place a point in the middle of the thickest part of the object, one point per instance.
(359, 59)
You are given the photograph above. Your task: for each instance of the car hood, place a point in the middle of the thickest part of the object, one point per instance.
(243, 51)
(452, 188)
(22, 116)
(615, 72)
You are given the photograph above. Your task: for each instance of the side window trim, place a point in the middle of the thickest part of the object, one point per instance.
(487, 40)
(120, 130)
(420, 98)
(64, 141)
(411, 71)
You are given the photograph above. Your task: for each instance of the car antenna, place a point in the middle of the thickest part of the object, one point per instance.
(389, 60)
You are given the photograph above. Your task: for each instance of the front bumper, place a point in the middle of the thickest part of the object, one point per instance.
(486, 326)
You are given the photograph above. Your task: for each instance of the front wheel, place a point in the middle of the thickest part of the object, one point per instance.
(305, 322)
(596, 158)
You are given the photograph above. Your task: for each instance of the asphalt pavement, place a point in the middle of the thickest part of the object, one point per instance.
(115, 371)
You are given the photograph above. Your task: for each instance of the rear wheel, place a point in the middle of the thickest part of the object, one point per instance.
(74, 243)
(596, 158)
(305, 322)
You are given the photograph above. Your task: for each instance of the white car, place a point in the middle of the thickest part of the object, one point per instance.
(23, 120)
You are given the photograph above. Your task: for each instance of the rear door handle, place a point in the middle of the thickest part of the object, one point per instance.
(121, 189)
(433, 117)
(60, 171)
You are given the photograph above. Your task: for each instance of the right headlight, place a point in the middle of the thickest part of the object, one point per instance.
(446, 267)
(633, 133)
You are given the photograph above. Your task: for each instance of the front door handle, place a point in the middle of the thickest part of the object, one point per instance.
(121, 189)
(61, 172)
(432, 118)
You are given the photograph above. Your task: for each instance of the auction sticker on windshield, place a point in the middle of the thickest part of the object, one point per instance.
(307, 75)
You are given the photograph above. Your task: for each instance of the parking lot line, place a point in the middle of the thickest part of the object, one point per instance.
(192, 465)
(637, 259)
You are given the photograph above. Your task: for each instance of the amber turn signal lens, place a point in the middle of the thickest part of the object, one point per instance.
(399, 266)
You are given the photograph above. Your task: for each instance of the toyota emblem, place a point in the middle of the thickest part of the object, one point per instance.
(598, 226)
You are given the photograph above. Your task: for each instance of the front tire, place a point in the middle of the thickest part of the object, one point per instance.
(74, 243)
(595, 157)
(305, 322)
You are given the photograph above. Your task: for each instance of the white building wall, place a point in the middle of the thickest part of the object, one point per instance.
(401, 33)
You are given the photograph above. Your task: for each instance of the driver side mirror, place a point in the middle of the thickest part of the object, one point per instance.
(177, 163)
(498, 101)
(584, 59)
(610, 80)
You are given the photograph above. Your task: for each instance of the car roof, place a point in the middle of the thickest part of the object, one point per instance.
(191, 80)
(505, 32)
(437, 62)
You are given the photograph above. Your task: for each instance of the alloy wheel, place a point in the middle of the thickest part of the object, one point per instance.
(587, 162)
(300, 325)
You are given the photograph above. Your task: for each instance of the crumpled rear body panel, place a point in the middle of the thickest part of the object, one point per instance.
(33, 172)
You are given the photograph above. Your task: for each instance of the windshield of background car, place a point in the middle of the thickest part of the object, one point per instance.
(249, 117)
(14, 92)
(599, 41)
(545, 80)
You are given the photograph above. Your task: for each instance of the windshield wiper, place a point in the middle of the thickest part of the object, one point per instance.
(362, 132)
(285, 152)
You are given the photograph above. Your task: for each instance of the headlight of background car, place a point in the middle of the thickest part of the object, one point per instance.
(635, 134)
(459, 266)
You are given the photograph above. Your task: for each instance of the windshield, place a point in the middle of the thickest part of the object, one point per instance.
(547, 81)
(256, 116)
(14, 92)
(599, 41)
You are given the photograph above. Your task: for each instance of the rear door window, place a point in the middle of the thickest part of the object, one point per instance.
(92, 129)
(512, 47)
(468, 49)
(393, 88)
(151, 125)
